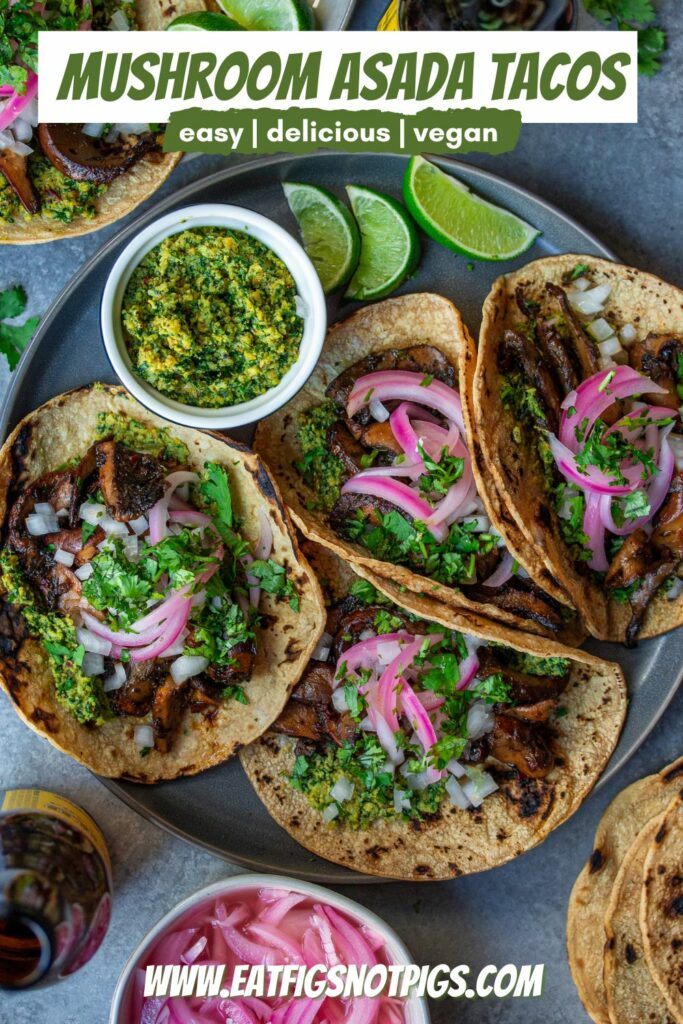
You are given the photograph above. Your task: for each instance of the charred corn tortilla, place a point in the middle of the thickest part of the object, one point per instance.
(628, 813)
(661, 908)
(513, 469)
(133, 187)
(420, 319)
(455, 842)
(632, 995)
(62, 429)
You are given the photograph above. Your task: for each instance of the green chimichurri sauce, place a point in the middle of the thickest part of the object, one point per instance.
(61, 199)
(210, 319)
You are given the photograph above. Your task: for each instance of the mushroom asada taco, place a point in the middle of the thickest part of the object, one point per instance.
(59, 180)
(377, 459)
(576, 400)
(156, 609)
(423, 742)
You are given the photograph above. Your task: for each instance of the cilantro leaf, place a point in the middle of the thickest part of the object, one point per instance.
(215, 489)
(12, 302)
(274, 580)
(15, 337)
(629, 16)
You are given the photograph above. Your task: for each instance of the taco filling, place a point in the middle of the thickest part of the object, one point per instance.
(396, 715)
(130, 569)
(57, 170)
(387, 456)
(602, 411)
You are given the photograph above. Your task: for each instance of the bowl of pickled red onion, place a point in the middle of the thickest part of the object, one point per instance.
(270, 920)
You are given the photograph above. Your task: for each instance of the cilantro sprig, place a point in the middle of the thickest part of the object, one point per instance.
(14, 337)
(634, 15)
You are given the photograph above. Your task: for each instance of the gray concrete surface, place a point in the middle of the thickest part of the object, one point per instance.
(626, 184)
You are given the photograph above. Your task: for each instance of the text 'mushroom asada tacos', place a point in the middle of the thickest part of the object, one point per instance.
(156, 610)
(58, 180)
(577, 392)
(424, 743)
(374, 459)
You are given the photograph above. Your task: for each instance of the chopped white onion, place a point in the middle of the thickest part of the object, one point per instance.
(339, 700)
(112, 527)
(117, 678)
(388, 652)
(44, 508)
(581, 284)
(478, 786)
(676, 443)
(415, 781)
(216, 602)
(600, 330)
(92, 643)
(93, 131)
(378, 411)
(401, 801)
(92, 512)
(130, 548)
(119, 22)
(323, 648)
(456, 793)
(342, 789)
(198, 600)
(139, 525)
(64, 557)
(605, 363)
(177, 648)
(9, 141)
(187, 666)
(610, 347)
(455, 768)
(143, 736)
(366, 725)
(132, 128)
(84, 572)
(61, 512)
(39, 526)
(591, 301)
(480, 719)
(675, 589)
(93, 664)
(628, 334)
(330, 812)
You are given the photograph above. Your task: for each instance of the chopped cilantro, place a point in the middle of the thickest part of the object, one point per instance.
(13, 338)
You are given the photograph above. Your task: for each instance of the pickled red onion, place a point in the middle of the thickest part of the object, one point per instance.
(396, 493)
(14, 106)
(388, 385)
(589, 402)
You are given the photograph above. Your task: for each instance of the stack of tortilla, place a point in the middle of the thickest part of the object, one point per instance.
(625, 919)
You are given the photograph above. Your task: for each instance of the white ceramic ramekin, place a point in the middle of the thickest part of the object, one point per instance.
(308, 288)
(417, 1011)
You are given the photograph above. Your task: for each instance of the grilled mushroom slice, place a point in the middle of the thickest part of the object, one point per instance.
(15, 169)
(82, 158)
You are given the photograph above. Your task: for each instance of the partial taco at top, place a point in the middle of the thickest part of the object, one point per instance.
(424, 743)
(577, 398)
(58, 180)
(155, 608)
(377, 459)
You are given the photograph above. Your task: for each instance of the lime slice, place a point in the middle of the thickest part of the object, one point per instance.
(390, 248)
(329, 232)
(452, 215)
(270, 15)
(203, 21)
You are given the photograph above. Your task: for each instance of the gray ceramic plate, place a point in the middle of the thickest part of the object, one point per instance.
(218, 809)
(333, 15)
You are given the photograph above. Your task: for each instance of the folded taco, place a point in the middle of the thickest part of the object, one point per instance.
(425, 743)
(577, 392)
(377, 460)
(155, 608)
(56, 179)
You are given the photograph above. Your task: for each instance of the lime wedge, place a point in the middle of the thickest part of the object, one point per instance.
(203, 21)
(452, 215)
(270, 15)
(329, 232)
(390, 247)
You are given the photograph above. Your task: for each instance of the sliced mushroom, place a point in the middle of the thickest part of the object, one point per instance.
(657, 357)
(585, 348)
(82, 158)
(15, 169)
